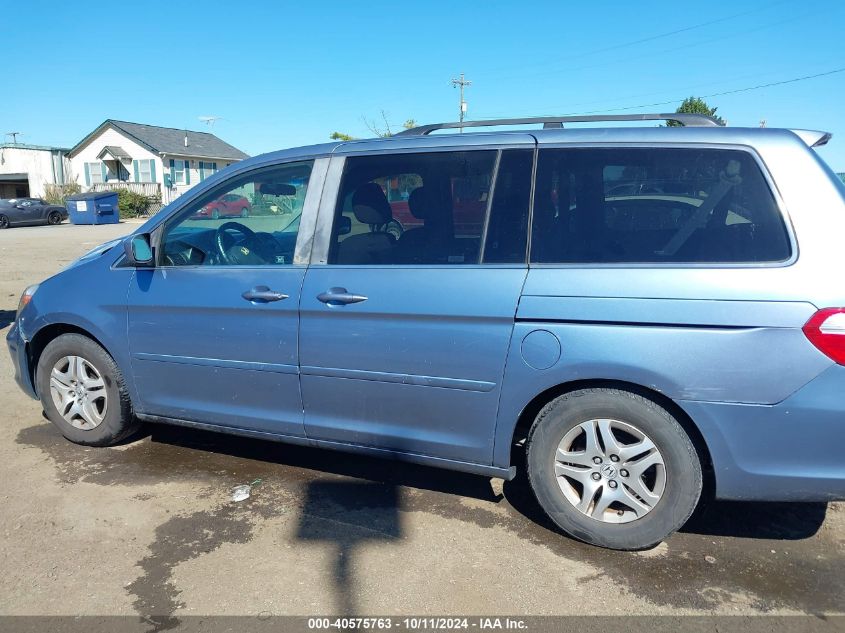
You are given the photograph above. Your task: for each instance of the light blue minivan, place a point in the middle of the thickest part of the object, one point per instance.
(636, 313)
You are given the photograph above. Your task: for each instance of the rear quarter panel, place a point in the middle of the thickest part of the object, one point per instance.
(702, 334)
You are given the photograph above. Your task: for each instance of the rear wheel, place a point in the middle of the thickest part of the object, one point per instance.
(215, 214)
(613, 468)
(54, 218)
(245, 212)
(83, 392)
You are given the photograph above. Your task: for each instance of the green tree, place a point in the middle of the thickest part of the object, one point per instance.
(340, 136)
(695, 105)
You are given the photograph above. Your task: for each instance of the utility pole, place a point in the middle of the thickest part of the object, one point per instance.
(461, 83)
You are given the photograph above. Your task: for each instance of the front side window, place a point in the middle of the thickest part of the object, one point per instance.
(252, 220)
(654, 205)
(413, 209)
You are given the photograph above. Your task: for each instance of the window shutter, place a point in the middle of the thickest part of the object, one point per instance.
(213, 168)
(172, 172)
(105, 172)
(87, 175)
(187, 172)
(153, 171)
(135, 169)
(202, 171)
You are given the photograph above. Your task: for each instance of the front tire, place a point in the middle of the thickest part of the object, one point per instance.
(54, 218)
(4, 222)
(613, 468)
(83, 392)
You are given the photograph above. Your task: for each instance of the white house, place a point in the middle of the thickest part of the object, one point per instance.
(149, 159)
(26, 169)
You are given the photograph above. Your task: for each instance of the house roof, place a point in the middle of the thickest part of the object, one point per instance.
(169, 140)
(29, 146)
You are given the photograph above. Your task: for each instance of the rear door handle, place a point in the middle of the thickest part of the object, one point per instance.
(339, 297)
(262, 294)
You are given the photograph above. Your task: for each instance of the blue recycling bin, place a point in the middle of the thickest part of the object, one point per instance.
(94, 207)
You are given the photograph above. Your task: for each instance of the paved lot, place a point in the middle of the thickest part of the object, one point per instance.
(147, 528)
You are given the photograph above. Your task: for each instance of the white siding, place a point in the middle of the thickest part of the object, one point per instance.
(110, 136)
(41, 167)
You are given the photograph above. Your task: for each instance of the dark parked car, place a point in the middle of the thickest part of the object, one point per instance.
(22, 211)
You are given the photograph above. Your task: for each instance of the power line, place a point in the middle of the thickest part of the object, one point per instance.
(651, 38)
(677, 31)
(726, 92)
(707, 96)
(535, 69)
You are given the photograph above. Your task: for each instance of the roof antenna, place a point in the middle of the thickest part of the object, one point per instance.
(14, 136)
(209, 119)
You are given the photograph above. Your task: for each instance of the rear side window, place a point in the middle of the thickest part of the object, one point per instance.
(412, 209)
(654, 205)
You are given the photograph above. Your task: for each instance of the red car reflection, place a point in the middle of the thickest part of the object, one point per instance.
(227, 206)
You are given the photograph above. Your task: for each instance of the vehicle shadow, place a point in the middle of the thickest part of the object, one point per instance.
(751, 520)
(6, 317)
(347, 515)
(383, 471)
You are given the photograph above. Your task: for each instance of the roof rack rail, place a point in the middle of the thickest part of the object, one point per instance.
(687, 120)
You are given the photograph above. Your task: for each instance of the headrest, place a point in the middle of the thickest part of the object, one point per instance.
(370, 205)
(419, 203)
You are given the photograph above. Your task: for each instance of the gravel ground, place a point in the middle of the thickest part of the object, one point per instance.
(147, 528)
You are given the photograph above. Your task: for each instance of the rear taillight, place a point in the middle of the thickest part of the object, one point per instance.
(826, 330)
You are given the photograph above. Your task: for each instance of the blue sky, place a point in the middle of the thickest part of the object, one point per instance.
(282, 73)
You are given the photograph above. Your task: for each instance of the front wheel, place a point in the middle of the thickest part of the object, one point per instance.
(54, 218)
(613, 468)
(83, 392)
(4, 222)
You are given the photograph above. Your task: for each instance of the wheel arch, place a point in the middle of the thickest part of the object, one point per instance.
(529, 413)
(35, 347)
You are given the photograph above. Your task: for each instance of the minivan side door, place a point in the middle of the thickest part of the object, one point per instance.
(213, 328)
(403, 341)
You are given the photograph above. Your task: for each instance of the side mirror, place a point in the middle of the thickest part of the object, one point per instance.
(138, 251)
(344, 225)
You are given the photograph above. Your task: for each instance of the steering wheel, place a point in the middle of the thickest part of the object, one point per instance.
(220, 236)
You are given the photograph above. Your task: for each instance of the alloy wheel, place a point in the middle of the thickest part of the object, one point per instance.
(79, 392)
(610, 471)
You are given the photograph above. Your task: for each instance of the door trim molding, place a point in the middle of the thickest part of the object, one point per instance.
(278, 368)
(461, 384)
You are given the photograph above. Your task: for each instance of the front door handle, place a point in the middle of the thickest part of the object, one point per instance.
(262, 294)
(339, 297)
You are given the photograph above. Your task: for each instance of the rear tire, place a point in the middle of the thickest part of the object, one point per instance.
(613, 468)
(76, 374)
